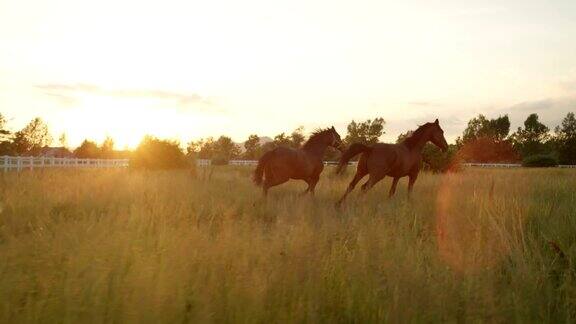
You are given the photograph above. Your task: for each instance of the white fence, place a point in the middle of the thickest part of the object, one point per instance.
(203, 162)
(243, 162)
(19, 163)
(508, 165)
(493, 165)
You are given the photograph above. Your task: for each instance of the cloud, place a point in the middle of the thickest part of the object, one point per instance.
(550, 111)
(535, 106)
(68, 93)
(552, 106)
(569, 86)
(64, 100)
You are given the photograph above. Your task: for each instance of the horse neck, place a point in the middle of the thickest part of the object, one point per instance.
(316, 149)
(419, 145)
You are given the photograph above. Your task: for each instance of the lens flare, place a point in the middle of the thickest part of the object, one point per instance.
(469, 224)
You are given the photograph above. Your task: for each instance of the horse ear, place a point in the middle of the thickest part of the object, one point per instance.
(333, 128)
(436, 122)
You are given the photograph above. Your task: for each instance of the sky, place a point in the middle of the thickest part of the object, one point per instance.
(192, 69)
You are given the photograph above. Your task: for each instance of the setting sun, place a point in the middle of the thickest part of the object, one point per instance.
(186, 70)
(126, 120)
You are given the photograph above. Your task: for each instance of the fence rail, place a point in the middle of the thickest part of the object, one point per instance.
(203, 162)
(19, 163)
(509, 165)
(243, 162)
(493, 165)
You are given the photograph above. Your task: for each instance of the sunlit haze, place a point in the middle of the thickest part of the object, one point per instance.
(192, 69)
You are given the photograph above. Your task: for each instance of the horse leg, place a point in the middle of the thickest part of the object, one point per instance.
(312, 184)
(360, 173)
(411, 179)
(374, 179)
(393, 188)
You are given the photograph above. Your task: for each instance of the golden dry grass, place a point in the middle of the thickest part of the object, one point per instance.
(120, 246)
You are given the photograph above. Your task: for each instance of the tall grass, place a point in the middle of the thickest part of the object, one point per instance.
(120, 246)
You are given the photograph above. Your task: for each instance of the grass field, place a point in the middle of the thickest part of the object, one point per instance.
(118, 246)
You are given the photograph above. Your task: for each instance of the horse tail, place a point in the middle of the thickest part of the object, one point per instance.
(259, 172)
(351, 152)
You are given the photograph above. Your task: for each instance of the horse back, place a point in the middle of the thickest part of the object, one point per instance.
(398, 160)
(292, 163)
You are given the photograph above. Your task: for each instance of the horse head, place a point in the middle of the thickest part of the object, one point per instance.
(336, 140)
(437, 136)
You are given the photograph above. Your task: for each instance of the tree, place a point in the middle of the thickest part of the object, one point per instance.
(155, 154)
(87, 150)
(220, 151)
(4, 133)
(297, 137)
(533, 138)
(485, 140)
(107, 148)
(225, 150)
(203, 148)
(568, 128)
(252, 146)
(565, 140)
(367, 132)
(478, 127)
(282, 140)
(32, 138)
(437, 161)
(63, 140)
(294, 140)
(5, 137)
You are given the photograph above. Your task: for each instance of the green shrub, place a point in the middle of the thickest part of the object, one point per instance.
(156, 154)
(439, 162)
(540, 161)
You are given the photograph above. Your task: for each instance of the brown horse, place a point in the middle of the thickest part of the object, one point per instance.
(283, 163)
(394, 160)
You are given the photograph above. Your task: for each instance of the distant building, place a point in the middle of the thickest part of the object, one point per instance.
(57, 152)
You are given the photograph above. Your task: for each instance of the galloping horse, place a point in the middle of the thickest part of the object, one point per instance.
(283, 163)
(394, 160)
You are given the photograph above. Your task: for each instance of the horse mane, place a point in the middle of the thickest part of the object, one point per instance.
(414, 138)
(315, 136)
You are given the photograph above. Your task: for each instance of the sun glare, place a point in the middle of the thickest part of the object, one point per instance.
(126, 120)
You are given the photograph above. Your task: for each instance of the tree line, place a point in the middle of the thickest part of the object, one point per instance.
(490, 140)
(34, 139)
(484, 140)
